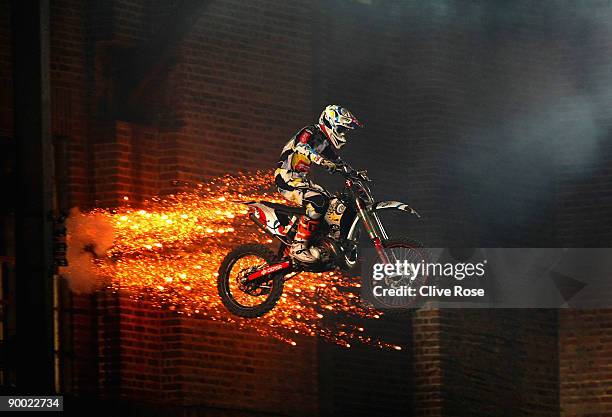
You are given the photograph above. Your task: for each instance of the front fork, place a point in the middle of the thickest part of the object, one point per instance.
(374, 229)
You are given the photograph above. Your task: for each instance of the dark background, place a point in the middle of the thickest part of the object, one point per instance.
(492, 118)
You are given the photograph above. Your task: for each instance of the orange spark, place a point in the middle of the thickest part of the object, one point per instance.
(171, 248)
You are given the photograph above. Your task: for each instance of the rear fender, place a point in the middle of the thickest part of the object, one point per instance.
(266, 216)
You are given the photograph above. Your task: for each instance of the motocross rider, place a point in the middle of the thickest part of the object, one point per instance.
(317, 144)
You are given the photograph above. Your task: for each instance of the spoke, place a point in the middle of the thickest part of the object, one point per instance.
(412, 255)
(240, 269)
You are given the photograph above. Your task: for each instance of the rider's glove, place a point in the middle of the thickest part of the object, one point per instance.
(329, 165)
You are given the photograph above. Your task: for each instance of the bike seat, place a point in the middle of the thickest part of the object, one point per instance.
(284, 208)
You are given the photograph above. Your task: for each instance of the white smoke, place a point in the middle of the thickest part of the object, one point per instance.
(89, 237)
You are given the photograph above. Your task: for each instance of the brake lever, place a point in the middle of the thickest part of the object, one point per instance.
(345, 169)
(364, 175)
(351, 172)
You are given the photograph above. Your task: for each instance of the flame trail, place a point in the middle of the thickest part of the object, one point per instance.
(170, 250)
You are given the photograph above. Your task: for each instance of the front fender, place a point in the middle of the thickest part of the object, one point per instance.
(396, 205)
(382, 205)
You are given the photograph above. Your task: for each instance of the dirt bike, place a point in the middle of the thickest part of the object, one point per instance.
(251, 277)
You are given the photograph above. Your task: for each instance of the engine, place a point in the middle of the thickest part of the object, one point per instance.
(334, 254)
(329, 250)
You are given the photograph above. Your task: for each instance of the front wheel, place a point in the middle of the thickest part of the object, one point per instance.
(392, 292)
(242, 298)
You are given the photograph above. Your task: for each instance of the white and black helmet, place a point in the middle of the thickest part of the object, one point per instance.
(336, 121)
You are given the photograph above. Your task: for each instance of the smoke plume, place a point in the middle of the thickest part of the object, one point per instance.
(89, 237)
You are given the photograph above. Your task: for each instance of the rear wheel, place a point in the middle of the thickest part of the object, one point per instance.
(243, 298)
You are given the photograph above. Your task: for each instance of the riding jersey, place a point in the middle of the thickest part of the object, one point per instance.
(309, 145)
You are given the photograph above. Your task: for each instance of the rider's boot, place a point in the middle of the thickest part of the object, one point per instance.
(299, 249)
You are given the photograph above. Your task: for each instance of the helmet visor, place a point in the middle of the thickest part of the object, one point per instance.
(341, 130)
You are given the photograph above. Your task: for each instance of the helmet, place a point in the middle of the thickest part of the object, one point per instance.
(335, 121)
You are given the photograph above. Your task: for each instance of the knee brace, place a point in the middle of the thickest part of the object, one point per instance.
(316, 205)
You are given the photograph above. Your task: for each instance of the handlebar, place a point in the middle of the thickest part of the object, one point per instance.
(351, 173)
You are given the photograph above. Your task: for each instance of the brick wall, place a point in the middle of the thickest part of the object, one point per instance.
(127, 166)
(367, 380)
(69, 72)
(500, 362)
(163, 358)
(228, 109)
(80, 345)
(69, 94)
(585, 363)
(427, 365)
(243, 88)
(486, 362)
(215, 112)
